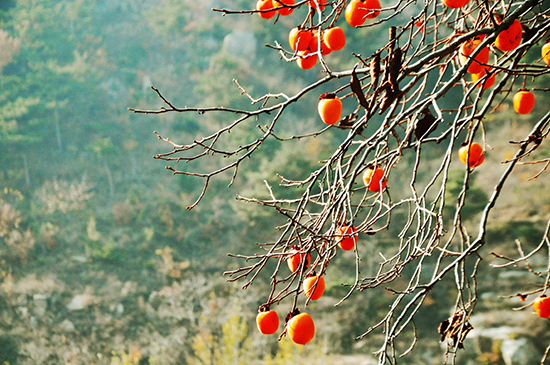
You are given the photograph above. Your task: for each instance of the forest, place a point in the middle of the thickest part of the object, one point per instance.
(102, 262)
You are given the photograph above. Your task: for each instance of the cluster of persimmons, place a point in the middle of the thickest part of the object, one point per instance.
(307, 44)
(300, 326)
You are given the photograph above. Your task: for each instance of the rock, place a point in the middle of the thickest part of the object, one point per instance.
(67, 326)
(79, 258)
(23, 310)
(36, 297)
(520, 351)
(80, 302)
(118, 308)
(40, 305)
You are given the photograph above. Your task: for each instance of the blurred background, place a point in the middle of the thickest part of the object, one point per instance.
(101, 263)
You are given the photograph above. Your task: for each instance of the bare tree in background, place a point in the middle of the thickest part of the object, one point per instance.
(400, 87)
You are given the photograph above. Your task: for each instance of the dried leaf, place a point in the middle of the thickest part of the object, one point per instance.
(425, 125)
(456, 329)
(395, 68)
(375, 70)
(357, 89)
(348, 121)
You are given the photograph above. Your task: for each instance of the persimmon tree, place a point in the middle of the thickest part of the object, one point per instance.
(399, 97)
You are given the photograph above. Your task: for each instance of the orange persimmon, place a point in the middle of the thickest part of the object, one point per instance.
(299, 39)
(317, 4)
(306, 59)
(330, 108)
(524, 101)
(372, 177)
(265, 5)
(542, 306)
(455, 4)
(294, 260)
(476, 157)
(487, 83)
(301, 328)
(510, 38)
(284, 11)
(314, 287)
(373, 8)
(347, 237)
(357, 11)
(315, 42)
(267, 321)
(334, 38)
(481, 58)
(545, 52)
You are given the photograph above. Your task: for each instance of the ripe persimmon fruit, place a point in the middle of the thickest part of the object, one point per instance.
(372, 177)
(299, 39)
(314, 287)
(480, 59)
(455, 4)
(355, 13)
(317, 4)
(545, 52)
(334, 38)
(295, 258)
(330, 108)
(301, 328)
(284, 11)
(487, 83)
(265, 5)
(542, 306)
(267, 321)
(524, 101)
(510, 38)
(347, 237)
(477, 154)
(306, 59)
(315, 42)
(373, 8)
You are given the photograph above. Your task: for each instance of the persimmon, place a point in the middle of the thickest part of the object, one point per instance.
(355, 13)
(372, 177)
(373, 8)
(420, 24)
(307, 59)
(267, 321)
(334, 38)
(265, 5)
(542, 306)
(299, 39)
(347, 237)
(455, 4)
(286, 10)
(315, 41)
(510, 38)
(545, 52)
(295, 258)
(314, 287)
(524, 101)
(477, 154)
(330, 108)
(481, 58)
(317, 4)
(487, 83)
(301, 328)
